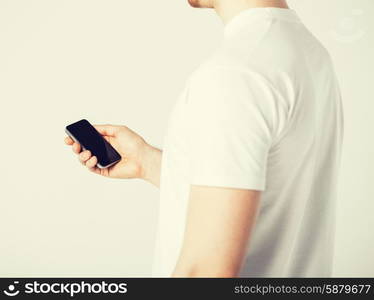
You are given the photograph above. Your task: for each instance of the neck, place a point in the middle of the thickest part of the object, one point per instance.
(227, 9)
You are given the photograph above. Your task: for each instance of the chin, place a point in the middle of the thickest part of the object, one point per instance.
(201, 3)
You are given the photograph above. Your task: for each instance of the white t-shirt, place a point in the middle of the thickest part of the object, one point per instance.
(263, 113)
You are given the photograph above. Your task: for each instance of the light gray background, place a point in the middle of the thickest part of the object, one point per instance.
(125, 62)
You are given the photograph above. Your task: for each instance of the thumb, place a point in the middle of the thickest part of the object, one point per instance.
(107, 130)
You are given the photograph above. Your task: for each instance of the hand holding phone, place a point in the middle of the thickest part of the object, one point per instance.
(90, 139)
(128, 145)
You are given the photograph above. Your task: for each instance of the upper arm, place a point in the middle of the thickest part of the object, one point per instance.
(235, 117)
(218, 226)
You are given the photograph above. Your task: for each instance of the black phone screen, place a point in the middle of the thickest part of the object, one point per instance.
(86, 135)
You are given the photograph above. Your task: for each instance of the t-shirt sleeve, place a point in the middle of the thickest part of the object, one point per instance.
(234, 117)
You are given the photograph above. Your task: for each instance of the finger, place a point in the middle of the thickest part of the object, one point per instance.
(95, 170)
(109, 130)
(91, 163)
(69, 141)
(77, 148)
(84, 156)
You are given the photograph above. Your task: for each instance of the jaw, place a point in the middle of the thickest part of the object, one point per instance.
(201, 3)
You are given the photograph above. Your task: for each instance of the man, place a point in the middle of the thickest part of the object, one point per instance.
(248, 172)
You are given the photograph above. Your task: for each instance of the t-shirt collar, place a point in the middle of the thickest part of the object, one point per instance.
(247, 17)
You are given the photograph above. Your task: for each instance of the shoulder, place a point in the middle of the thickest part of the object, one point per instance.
(215, 84)
(228, 83)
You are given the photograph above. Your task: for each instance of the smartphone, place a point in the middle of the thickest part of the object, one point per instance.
(89, 138)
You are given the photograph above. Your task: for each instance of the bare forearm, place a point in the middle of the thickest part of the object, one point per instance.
(151, 167)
